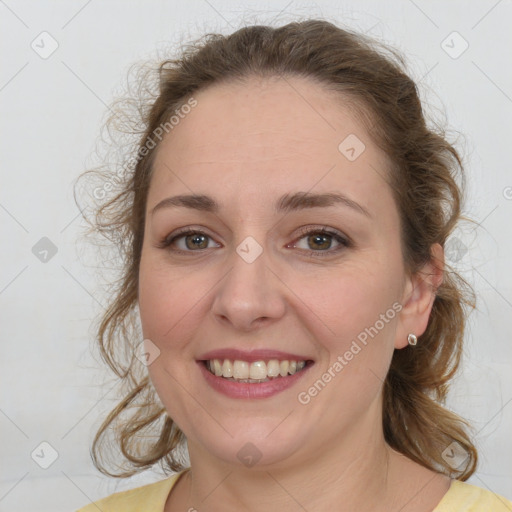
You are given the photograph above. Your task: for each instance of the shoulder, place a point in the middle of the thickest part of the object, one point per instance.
(464, 497)
(150, 498)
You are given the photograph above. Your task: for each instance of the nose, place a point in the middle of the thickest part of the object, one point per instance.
(250, 294)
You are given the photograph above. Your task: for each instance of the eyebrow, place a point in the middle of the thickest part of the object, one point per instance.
(286, 203)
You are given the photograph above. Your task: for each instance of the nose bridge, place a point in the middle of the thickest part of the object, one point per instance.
(250, 291)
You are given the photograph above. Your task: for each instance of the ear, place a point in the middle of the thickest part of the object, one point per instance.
(418, 297)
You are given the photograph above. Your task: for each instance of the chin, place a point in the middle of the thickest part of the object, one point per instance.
(255, 446)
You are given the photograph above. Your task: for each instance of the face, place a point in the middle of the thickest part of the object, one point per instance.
(260, 278)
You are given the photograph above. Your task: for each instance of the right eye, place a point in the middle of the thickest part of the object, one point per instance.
(193, 241)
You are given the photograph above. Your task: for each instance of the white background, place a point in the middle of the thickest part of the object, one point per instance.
(51, 116)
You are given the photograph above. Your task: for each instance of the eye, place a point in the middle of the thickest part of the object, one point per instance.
(193, 240)
(319, 241)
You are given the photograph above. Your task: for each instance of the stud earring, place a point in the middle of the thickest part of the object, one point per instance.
(412, 339)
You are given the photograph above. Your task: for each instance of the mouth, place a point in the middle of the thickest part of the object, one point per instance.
(252, 380)
(254, 372)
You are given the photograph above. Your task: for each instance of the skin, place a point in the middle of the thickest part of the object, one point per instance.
(245, 145)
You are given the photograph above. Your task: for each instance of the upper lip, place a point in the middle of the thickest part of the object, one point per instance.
(251, 356)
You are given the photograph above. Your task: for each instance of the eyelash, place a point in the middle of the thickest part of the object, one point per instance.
(343, 241)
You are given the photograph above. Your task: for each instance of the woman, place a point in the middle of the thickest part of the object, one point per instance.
(283, 227)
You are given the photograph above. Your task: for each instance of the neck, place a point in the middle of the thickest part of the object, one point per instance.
(350, 472)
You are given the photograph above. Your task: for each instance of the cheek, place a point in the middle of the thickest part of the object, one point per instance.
(157, 299)
(169, 300)
(353, 299)
(361, 312)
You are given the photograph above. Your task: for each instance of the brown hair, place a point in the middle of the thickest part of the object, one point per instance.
(425, 171)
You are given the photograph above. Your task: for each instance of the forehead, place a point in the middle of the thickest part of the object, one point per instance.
(269, 134)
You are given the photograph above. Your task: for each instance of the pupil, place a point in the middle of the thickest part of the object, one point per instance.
(196, 240)
(316, 238)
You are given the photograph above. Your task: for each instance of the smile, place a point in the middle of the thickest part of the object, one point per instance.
(253, 372)
(239, 379)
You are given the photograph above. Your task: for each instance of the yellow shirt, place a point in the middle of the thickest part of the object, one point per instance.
(461, 497)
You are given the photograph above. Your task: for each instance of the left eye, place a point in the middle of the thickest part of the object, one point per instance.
(320, 241)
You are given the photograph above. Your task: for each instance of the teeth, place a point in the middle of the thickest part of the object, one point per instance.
(257, 371)
(227, 369)
(217, 368)
(273, 368)
(240, 369)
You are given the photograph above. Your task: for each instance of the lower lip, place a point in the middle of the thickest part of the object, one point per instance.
(246, 390)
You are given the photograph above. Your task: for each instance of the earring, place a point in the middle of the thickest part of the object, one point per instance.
(412, 339)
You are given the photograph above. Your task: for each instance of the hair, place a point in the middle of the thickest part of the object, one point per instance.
(424, 175)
